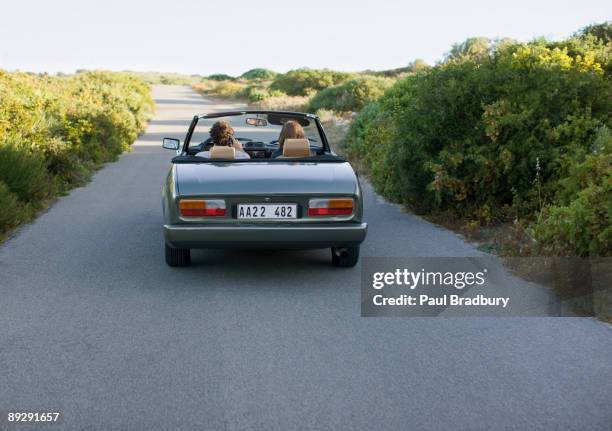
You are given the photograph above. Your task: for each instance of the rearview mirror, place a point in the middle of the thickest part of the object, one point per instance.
(171, 143)
(257, 122)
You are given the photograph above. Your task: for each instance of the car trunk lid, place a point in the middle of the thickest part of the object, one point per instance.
(265, 178)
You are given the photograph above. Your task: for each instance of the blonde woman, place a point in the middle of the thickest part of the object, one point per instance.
(290, 130)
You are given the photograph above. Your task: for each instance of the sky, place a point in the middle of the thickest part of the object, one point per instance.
(232, 36)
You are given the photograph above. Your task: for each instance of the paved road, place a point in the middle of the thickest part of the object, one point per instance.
(94, 323)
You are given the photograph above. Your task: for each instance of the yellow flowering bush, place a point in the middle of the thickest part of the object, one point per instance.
(54, 130)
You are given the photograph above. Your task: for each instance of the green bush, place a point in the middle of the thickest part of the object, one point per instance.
(602, 31)
(581, 223)
(11, 209)
(350, 96)
(25, 173)
(302, 82)
(220, 77)
(494, 135)
(258, 74)
(228, 89)
(257, 93)
(55, 130)
(253, 92)
(418, 65)
(582, 228)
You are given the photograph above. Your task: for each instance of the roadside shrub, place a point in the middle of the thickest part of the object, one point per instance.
(582, 228)
(418, 65)
(11, 209)
(256, 93)
(302, 82)
(282, 103)
(350, 96)
(370, 141)
(204, 86)
(258, 74)
(24, 173)
(228, 89)
(496, 135)
(602, 31)
(581, 224)
(253, 92)
(54, 130)
(220, 77)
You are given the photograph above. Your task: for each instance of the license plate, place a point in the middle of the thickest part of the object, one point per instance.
(267, 211)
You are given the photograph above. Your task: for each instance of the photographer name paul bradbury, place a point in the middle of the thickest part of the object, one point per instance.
(405, 278)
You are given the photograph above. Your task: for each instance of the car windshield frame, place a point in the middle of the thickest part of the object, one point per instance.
(310, 117)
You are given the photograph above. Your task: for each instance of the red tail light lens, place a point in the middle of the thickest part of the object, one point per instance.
(329, 211)
(330, 207)
(202, 207)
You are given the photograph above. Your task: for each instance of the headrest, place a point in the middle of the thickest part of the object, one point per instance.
(222, 152)
(296, 148)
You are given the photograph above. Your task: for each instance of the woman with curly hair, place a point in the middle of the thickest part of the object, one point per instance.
(222, 134)
(291, 130)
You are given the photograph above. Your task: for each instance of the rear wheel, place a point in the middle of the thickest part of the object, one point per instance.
(345, 257)
(177, 256)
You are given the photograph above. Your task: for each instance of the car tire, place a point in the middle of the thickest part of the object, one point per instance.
(177, 256)
(345, 257)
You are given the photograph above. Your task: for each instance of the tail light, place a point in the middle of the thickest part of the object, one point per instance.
(330, 207)
(202, 207)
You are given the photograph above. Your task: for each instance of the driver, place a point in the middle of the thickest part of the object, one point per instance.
(291, 130)
(222, 134)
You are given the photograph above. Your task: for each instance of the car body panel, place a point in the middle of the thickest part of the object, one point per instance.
(271, 235)
(265, 178)
(255, 181)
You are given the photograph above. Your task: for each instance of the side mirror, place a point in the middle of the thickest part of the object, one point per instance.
(171, 143)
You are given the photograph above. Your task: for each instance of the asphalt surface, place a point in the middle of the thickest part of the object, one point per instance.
(93, 323)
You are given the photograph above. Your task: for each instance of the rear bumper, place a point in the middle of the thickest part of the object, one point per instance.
(266, 236)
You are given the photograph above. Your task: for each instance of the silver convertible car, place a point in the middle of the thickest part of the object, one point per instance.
(302, 196)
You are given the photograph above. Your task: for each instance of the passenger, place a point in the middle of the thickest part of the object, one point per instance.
(290, 130)
(222, 134)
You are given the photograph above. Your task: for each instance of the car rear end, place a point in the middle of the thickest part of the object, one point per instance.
(284, 207)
